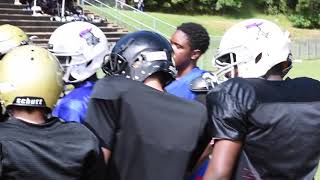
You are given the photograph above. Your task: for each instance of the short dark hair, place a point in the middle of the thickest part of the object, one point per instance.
(197, 34)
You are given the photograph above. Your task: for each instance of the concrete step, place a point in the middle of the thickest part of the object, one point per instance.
(108, 28)
(42, 27)
(7, 1)
(23, 17)
(40, 23)
(12, 6)
(45, 41)
(9, 11)
(46, 35)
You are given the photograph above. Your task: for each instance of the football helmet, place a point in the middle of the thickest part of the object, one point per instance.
(30, 76)
(140, 54)
(80, 48)
(251, 48)
(11, 37)
(204, 83)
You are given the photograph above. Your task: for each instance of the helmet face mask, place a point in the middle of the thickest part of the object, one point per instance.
(139, 55)
(251, 48)
(64, 60)
(80, 48)
(114, 64)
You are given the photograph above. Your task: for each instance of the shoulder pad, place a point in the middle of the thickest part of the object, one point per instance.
(204, 83)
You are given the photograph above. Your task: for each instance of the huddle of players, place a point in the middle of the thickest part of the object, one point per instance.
(138, 130)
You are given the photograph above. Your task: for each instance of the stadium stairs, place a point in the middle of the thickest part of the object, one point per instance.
(42, 27)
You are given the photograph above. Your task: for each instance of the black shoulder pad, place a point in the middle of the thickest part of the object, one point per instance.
(204, 83)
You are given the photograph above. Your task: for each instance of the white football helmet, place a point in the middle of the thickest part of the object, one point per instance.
(252, 47)
(80, 48)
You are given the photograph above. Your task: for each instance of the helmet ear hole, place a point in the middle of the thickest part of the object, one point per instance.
(137, 63)
(258, 58)
(88, 64)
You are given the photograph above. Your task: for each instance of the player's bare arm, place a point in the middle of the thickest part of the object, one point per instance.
(224, 157)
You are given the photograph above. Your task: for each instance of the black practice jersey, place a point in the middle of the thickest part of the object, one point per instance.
(51, 151)
(152, 134)
(278, 121)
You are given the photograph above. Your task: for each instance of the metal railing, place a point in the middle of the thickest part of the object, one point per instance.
(129, 16)
(133, 19)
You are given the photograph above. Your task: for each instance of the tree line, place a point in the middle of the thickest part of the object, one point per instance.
(302, 13)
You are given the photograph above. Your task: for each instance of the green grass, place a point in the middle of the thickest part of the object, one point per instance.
(216, 26)
(306, 68)
(309, 68)
(317, 177)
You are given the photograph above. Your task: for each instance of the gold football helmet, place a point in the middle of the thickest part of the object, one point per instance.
(11, 37)
(30, 76)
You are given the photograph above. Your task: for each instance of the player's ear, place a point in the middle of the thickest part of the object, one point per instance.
(196, 53)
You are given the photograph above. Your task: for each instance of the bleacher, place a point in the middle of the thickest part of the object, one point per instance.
(42, 27)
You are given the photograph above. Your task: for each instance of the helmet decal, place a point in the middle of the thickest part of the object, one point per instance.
(29, 101)
(89, 37)
(254, 25)
(260, 32)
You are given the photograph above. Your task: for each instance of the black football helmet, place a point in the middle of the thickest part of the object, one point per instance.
(139, 55)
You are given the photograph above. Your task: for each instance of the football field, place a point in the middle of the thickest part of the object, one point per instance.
(309, 68)
(216, 25)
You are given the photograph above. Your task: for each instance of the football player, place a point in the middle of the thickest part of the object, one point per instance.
(11, 37)
(35, 145)
(80, 48)
(189, 42)
(145, 132)
(265, 126)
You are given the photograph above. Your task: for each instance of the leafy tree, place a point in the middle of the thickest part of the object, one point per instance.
(303, 13)
(220, 4)
(307, 14)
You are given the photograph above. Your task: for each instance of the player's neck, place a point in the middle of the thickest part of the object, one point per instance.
(154, 83)
(34, 117)
(274, 78)
(185, 70)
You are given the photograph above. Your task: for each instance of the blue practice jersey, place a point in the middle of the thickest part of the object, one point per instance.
(73, 106)
(181, 87)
